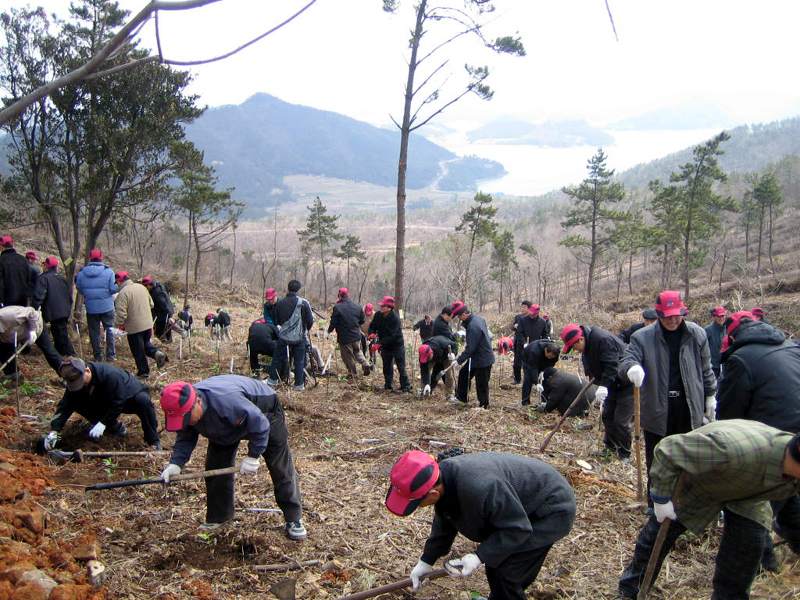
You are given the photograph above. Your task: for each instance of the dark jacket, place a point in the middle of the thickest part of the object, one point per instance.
(625, 335)
(223, 319)
(52, 296)
(519, 332)
(479, 343)
(261, 338)
(389, 330)
(269, 313)
(110, 386)
(162, 305)
(561, 389)
(532, 328)
(425, 329)
(96, 282)
(17, 279)
(601, 357)
(441, 346)
(442, 327)
(236, 408)
(761, 380)
(346, 319)
(185, 316)
(715, 333)
(285, 307)
(533, 356)
(505, 502)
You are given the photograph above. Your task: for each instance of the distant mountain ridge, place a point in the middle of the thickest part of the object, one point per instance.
(254, 145)
(562, 134)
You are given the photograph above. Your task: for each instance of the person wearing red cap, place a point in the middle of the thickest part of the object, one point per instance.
(761, 382)
(270, 300)
(97, 283)
(133, 314)
(477, 356)
(53, 297)
(670, 361)
(162, 311)
(388, 331)
(536, 357)
(758, 314)
(366, 348)
(437, 354)
(226, 410)
(294, 318)
(715, 333)
(601, 353)
(32, 259)
(528, 326)
(17, 279)
(261, 340)
(425, 326)
(346, 320)
(514, 507)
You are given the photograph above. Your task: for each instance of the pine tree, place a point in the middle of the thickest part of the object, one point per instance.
(479, 226)
(321, 230)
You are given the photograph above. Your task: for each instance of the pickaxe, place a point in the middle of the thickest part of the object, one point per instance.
(79, 455)
(17, 352)
(566, 414)
(397, 585)
(181, 477)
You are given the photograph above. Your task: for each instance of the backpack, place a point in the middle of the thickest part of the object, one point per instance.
(292, 331)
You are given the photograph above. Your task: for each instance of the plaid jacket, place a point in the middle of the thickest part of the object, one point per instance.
(734, 464)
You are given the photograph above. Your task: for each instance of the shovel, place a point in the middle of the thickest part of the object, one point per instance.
(182, 477)
(79, 455)
(566, 414)
(17, 352)
(385, 589)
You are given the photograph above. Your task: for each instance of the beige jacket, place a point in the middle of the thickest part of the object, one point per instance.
(132, 306)
(19, 320)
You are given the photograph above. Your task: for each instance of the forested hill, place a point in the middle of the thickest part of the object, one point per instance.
(254, 145)
(751, 148)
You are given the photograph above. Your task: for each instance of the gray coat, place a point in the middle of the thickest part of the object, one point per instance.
(649, 349)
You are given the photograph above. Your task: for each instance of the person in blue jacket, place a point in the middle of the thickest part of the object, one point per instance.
(227, 409)
(96, 283)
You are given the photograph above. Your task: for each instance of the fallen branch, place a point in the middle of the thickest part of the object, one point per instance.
(293, 566)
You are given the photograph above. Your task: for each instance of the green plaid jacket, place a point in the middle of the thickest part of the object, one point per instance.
(734, 464)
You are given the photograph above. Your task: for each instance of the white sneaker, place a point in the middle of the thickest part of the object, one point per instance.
(272, 382)
(295, 530)
(299, 388)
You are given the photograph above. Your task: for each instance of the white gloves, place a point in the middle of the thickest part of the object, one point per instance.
(541, 377)
(711, 408)
(50, 440)
(32, 337)
(543, 407)
(636, 375)
(426, 391)
(116, 332)
(665, 511)
(451, 357)
(600, 396)
(171, 470)
(96, 432)
(249, 466)
(461, 567)
(326, 335)
(539, 388)
(421, 569)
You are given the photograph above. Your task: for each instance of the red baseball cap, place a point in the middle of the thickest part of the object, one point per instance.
(6, 241)
(569, 335)
(147, 280)
(368, 308)
(411, 478)
(50, 261)
(177, 400)
(31, 254)
(669, 304)
(120, 275)
(719, 311)
(343, 292)
(425, 353)
(758, 311)
(387, 301)
(95, 255)
(458, 308)
(270, 294)
(534, 309)
(734, 321)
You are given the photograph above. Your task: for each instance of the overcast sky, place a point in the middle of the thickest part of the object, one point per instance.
(348, 56)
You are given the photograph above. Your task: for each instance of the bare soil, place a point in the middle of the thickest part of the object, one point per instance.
(345, 436)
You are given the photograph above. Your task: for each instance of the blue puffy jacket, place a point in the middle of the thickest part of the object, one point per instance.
(96, 282)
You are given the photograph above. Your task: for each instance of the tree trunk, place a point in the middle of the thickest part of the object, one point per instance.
(233, 257)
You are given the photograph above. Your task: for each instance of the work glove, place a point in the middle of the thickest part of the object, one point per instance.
(249, 466)
(541, 377)
(599, 396)
(417, 572)
(50, 440)
(326, 335)
(115, 331)
(665, 511)
(636, 375)
(539, 388)
(461, 567)
(711, 408)
(426, 391)
(172, 469)
(32, 337)
(96, 432)
(451, 357)
(543, 407)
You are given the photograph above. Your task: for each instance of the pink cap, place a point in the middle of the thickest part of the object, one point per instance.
(669, 304)
(387, 301)
(270, 294)
(95, 255)
(733, 322)
(412, 477)
(570, 335)
(177, 400)
(425, 353)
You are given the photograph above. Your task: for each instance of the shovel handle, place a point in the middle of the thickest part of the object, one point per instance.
(565, 415)
(181, 477)
(397, 585)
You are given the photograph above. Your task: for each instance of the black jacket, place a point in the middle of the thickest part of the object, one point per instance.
(532, 329)
(561, 389)
(346, 319)
(425, 329)
(601, 358)
(441, 346)
(761, 379)
(479, 343)
(17, 279)
(261, 338)
(389, 330)
(285, 307)
(533, 356)
(110, 387)
(223, 319)
(52, 296)
(442, 327)
(162, 305)
(625, 335)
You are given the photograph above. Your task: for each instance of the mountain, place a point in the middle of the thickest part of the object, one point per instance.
(563, 134)
(694, 114)
(254, 145)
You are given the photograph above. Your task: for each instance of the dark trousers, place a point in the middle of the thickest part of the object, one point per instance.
(59, 329)
(220, 489)
(398, 357)
(530, 375)
(141, 347)
(140, 405)
(509, 580)
(280, 358)
(787, 521)
(96, 323)
(617, 415)
(738, 557)
(162, 326)
(43, 342)
(257, 349)
(519, 346)
(481, 375)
